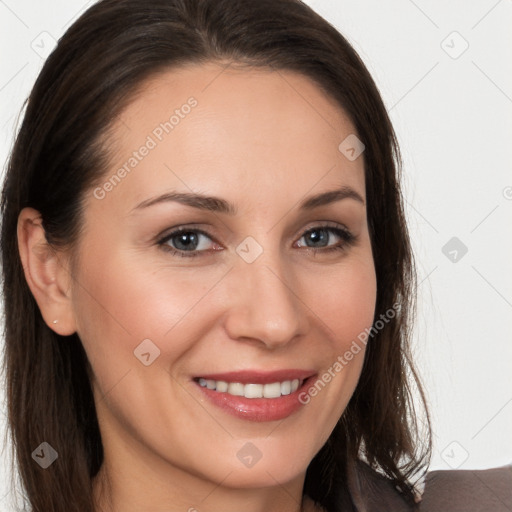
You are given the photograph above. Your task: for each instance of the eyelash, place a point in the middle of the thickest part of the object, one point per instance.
(348, 239)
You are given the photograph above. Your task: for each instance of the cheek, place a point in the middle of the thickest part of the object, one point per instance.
(345, 301)
(345, 304)
(120, 302)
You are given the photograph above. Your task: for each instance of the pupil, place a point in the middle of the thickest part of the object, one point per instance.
(186, 244)
(321, 238)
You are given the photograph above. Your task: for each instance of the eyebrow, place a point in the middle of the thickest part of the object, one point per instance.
(216, 204)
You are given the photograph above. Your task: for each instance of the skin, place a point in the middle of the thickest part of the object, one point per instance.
(262, 140)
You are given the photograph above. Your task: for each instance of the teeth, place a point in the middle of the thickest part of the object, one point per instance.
(286, 388)
(253, 391)
(235, 388)
(221, 386)
(274, 390)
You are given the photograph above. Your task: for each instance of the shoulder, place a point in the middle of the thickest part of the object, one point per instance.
(468, 490)
(373, 492)
(444, 491)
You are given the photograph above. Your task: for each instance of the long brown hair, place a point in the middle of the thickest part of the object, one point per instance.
(60, 153)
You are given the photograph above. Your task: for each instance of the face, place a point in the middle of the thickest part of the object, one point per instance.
(185, 304)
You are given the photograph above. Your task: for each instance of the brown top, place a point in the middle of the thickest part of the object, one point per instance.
(481, 490)
(484, 490)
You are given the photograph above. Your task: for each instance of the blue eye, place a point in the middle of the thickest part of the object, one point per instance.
(189, 243)
(186, 241)
(322, 234)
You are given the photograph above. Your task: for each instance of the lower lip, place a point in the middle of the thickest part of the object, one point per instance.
(257, 409)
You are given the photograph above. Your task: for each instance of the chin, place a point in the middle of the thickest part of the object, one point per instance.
(263, 476)
(278, 467)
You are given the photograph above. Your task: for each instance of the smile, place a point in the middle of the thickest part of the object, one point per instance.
(252, 390)
(256, 395)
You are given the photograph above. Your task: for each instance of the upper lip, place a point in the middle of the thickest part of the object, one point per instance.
(259, 377)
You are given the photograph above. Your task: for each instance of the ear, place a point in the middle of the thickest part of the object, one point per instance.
(47, 274)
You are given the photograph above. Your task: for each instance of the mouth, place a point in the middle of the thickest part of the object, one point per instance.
(252, 390)
(254, 395)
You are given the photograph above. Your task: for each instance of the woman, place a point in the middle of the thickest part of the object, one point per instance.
(203, 235)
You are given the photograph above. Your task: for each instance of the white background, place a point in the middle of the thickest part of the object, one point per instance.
(453, 115)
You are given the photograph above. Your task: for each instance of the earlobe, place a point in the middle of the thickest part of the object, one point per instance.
(46, 273)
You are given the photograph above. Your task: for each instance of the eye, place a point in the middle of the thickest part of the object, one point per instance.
(187, 242)
(321, 238)
(191, 242)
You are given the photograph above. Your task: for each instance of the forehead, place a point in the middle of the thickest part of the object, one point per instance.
(210, 128)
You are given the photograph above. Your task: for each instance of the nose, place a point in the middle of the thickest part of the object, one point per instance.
(264, 304)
